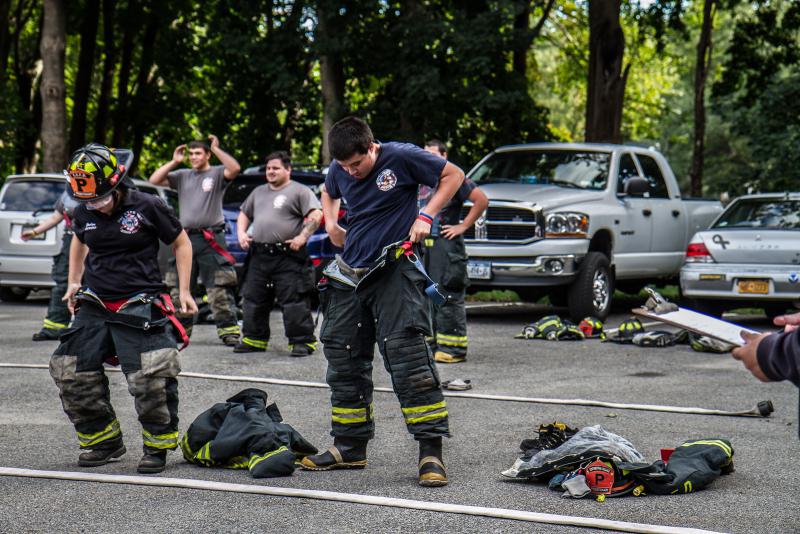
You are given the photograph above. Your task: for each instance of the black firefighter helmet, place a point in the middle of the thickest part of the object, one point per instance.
(94, 171)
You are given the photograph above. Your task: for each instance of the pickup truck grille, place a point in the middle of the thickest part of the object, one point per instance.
(505, 223)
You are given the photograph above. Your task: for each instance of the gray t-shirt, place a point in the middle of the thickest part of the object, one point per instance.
(200, 195)
(278, 215)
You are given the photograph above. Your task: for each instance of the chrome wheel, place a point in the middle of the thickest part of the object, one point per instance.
(600, 290)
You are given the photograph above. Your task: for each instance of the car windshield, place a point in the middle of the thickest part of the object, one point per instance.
(31, 195)
(564, 168)
(761, 213)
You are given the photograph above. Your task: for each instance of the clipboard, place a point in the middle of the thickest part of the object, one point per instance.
(699, 323)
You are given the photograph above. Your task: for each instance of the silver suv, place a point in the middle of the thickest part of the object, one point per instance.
(25, 200)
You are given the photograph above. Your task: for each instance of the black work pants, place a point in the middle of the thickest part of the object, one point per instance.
(58, 315)
(149, 359)
(281, 276)
(389, 306)
(446, 263)
(218, 277)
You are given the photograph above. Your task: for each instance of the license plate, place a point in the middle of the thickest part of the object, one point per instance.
(25, 227)
(479, 270)
(754, 287)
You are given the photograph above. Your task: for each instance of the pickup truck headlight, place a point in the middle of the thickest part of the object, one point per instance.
(566, 224)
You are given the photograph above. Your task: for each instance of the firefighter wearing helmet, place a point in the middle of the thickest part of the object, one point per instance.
(122, 315)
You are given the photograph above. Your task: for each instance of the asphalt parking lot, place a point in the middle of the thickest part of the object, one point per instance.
(761, 496)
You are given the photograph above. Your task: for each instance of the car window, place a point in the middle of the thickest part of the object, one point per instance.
(658, 186)
(564, 168)
(31, 195)
(761, 213)
(172, 199)
(627, 169)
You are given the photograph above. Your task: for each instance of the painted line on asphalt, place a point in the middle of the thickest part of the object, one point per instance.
(754, 412)
(355, 498)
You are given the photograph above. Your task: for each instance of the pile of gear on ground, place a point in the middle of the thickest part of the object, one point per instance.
(592, 462)
(631, 331)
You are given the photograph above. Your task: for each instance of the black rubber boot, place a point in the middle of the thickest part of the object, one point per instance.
(98, 457)
(152, 462)
(346, 453)
(48, 334)
(431, 466)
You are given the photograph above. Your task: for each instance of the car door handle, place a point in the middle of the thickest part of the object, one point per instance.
(676, 213)
(647, 213)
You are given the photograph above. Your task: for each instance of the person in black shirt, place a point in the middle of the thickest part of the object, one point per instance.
(122, 312)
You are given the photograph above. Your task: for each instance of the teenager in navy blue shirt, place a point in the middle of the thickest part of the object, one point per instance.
(374, 292)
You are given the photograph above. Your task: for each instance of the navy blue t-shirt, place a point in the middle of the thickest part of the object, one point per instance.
(382, 207)
(451, 212)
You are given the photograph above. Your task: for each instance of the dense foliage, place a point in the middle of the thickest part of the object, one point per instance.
(475, 73)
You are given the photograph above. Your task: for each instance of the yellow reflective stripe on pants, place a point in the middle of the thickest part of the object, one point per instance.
(420, 414)
(160, 441)
(350, 416)
(453, 341)
(52, 325)
(255, 459)
(109, 432)
(255, 342)
(228, 330)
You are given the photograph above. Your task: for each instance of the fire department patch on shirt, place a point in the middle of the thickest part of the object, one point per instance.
(386, 180)
(207, 184)
(130, 222)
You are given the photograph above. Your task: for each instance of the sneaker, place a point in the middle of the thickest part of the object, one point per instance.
(153, 462)
(230, 340)
(443, 357)
(302, 349)
(47, 334)
(98, 457)
(246, 347)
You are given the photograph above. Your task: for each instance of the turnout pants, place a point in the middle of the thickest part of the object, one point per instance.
(58, 315)
(141, 338)
(389, 305)
(217, 275)
(446, 262)
(273, 274)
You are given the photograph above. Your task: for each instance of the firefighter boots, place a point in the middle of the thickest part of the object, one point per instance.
(152, 462)
(98, 457)
(346, 453)
(431, 467)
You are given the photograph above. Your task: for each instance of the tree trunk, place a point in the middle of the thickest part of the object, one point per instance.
(54, 109)
(83, 80)
(331, 76)
(525, 35)
(132, 14)
(143, 86)
(28, 81)
(702, 68)
(5, 39)
(606, 80)
(101, 117)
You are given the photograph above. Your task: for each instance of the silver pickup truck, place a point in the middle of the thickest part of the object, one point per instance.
(576, 221)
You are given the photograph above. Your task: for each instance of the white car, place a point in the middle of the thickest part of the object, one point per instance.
(749, 256)
(25, 201)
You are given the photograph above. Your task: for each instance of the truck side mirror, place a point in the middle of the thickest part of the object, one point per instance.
(637, 186)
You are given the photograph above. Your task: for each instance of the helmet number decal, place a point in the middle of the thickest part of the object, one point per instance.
(83, 183)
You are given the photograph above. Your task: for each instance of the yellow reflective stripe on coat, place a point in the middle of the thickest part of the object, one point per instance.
(109, 432)
(718, 443)
(453, 341)
(52, 325)
(350, 416)
(255, 342)
(420, 414)
(160, 441)
(255, 459)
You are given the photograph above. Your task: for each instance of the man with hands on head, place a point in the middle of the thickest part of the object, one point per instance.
(374, 291)
(284, 214)
(446, 260)
(200, 192)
